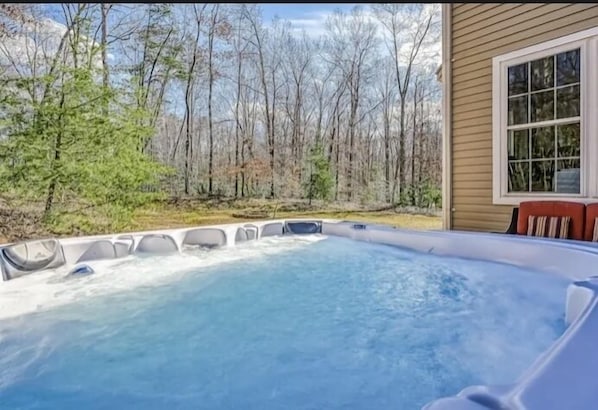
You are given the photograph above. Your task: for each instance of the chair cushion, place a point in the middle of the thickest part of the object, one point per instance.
(595, 232)
(574, 210)
(548, 226)
(591, 215)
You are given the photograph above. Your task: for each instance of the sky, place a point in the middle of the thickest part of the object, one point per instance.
(310, 17)
(302, 11)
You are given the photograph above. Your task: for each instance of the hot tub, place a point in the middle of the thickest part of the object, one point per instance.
(299, 314)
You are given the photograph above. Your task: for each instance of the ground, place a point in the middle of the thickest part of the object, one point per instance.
(192, 213)
(21, 224)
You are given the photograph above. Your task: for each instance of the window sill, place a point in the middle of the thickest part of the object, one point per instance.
(516, 199)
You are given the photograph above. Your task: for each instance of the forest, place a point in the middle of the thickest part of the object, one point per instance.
(111, 106)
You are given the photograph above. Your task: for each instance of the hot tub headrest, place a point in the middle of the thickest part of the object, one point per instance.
(209, 237)
(302, 227)
(26, 257)
(103, 249)
(29, 256)
(123, 249)
(241, 235)
(272, 229)
(156, 244)
(251, 231)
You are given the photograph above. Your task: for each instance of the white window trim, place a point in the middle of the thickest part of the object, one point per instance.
(587, 40)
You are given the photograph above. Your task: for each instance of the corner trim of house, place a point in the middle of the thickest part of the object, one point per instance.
(446, 118)
(497, 150)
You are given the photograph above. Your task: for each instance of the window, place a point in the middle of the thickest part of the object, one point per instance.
(542, 107)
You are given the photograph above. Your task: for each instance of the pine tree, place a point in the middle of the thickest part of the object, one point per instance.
(320, 183)
(65, 149)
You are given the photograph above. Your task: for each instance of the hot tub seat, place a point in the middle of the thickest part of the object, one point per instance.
(156, 244)
(272, 229)
(205, 237)
(105, 249)
(302, 227)
(30, 256)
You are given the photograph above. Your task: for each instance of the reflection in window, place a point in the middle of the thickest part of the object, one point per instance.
(518, 79)
(518, 176)
(544, 157)
(567, 101)
(518, 144)
(542, 73)
(567, 71)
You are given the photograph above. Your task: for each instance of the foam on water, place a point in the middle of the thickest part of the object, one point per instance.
(335, 325)
(53, 288)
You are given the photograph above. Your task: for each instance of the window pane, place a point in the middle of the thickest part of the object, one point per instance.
(542, 176)
(568, 140)
(567, 176)
(543, 142)
(542, 73)
(518, 79)
(518, 110)
(518, 176)
(518, 144)
(542, 106)
(567, 67)
(567, 102)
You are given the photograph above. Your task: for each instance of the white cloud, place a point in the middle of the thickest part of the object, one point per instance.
(314, 25)
(38, 43)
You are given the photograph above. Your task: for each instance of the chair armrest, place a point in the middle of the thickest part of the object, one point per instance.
(512, 229)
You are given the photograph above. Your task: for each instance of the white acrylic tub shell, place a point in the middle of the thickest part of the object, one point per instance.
(565, 377)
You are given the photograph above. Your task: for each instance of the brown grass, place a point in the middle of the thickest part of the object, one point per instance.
(22, 222)
(168, 217)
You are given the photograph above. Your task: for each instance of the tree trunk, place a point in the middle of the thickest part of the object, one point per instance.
(386, 119)
(55, 163)
(337, 161)
(104, 44)
(237, 127)
(210, 90)
(420, 154)
(401, 156)
(188, 108)
(269, 116)
(352, 124)
(272, 141)
(413, 138)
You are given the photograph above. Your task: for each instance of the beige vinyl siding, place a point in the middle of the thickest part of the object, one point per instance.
(480, 32)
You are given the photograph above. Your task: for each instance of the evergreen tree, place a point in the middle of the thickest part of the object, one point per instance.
(65, 149)
(320, 183)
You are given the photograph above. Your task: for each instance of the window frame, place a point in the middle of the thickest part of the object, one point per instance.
(587, 42)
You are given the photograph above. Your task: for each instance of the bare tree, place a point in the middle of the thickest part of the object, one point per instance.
(407, 25)
(211, 35)
(268, 71)
(240, 46)
(352, 41)
(387, 91)
(235, 103)
(298, 56)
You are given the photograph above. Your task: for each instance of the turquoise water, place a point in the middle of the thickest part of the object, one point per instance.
(331, 324)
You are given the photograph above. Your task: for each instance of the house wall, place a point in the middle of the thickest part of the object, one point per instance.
(478, 33)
